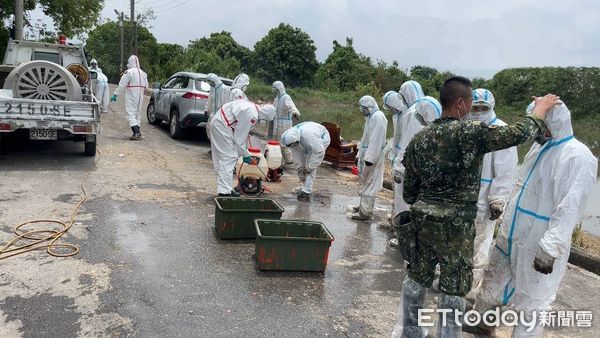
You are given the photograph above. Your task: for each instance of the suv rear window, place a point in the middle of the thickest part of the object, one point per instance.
(46, 56)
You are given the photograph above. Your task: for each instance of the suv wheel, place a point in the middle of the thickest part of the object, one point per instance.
(174, 130)
(151, 114)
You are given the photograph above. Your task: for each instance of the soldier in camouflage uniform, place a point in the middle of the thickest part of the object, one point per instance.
(443, 168)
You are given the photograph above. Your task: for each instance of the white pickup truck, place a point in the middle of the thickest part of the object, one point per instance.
(47, 92)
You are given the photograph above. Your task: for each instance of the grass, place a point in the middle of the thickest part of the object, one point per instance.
(342, 109)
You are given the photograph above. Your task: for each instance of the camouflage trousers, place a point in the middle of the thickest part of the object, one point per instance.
(444, 236)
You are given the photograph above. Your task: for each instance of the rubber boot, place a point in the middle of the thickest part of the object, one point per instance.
(449, 326)
(137, 135)
(407, 320)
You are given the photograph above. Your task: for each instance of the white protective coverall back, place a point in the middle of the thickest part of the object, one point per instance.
(286, 109)
(101, 90)
(547, 201)
(229, 129)
(134, 82)
(371, 150)
(312, 141)
(410, 92)
(497, 179)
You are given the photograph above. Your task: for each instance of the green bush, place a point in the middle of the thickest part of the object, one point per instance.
(577, 86)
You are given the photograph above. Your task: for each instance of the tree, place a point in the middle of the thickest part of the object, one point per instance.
(224, 46)
(70, 17)
(287, 54)
(422, 73)
(344, 68)
(103, 45)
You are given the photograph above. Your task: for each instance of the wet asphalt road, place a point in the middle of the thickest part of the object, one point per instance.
(150, 261)
(151, 264)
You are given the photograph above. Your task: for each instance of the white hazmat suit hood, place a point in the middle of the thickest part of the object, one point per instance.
(411, 91)
(308, 142)
(485, 98)
(134, 82)
(497, 178)
(242, 81)
(278, 88)
(547, 201)
(266, 112)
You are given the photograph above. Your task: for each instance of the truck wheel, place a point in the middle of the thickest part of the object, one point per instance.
(151, 114)
(90, 148)
(174, 130)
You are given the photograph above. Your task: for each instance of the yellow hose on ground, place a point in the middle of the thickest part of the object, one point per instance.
(47, 242)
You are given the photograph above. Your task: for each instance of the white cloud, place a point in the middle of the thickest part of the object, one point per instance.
(459, 34)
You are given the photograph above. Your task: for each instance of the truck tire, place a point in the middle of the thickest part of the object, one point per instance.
(43, 80)
(174, 130)
(90, 148)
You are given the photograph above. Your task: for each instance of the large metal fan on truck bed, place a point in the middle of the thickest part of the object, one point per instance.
(43, 80)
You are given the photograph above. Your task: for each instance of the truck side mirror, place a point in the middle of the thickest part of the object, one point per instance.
(157, 85)
(94, 75)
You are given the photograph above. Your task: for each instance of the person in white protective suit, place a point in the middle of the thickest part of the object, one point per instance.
(534, 240)
(100, 86)
(370, 159)
(497, 179)
(308, 142)
(134, 82)
(221, 93)
(286, 110)
(410, 92)
(230, 129)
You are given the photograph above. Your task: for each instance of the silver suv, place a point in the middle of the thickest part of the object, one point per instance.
(181, 101)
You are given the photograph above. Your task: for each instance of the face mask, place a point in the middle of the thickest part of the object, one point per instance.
(421, 119)
(364, 110)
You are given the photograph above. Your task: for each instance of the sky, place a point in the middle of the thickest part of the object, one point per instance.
(473, 37)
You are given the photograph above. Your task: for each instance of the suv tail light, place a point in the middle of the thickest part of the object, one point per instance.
(5, 126)
(196, 96)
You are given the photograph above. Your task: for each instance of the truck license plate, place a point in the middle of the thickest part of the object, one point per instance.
(42, 134)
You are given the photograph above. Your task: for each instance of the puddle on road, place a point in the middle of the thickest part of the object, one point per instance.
(131, 234)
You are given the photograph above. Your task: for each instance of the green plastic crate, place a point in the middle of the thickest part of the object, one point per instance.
(292, 245)
(234, 217)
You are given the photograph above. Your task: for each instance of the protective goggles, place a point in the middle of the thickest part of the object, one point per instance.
(480, 109)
